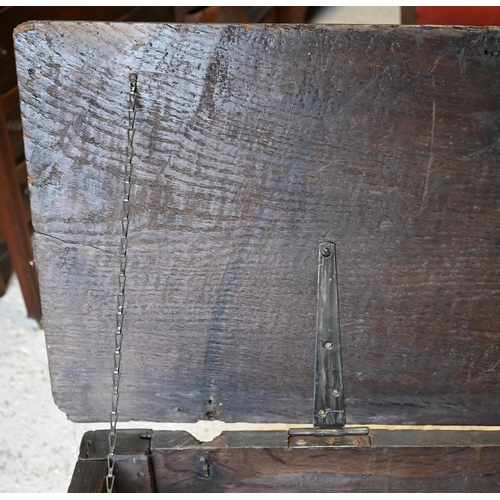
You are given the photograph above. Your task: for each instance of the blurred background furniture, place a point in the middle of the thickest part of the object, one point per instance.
(468, 16)
(15, 217)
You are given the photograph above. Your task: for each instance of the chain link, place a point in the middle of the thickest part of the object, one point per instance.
(117, 356)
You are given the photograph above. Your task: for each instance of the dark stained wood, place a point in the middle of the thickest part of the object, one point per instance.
(345, 470)
(89, 477)
(5, 267)
(148, 14)
(134, 476)
(223, 14)
(252, 147)
(14, 225)
(240, 14)
(399, 463)
(14, 125)
(295, 14)
(408, 15)
(133, 469)
(95, 444)
(434, 438)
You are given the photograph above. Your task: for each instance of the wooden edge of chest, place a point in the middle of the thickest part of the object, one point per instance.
(280, 461)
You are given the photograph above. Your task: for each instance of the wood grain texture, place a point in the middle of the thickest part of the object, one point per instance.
(253, 145)
(400, 462)
(89, 477)
(346, 470)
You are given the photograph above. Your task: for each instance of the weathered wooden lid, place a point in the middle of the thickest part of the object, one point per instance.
(254, 144)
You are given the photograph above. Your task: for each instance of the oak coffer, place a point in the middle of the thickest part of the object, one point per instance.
(270, 223)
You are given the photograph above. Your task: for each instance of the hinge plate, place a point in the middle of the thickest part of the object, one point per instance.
(355, 437)
(329, 390)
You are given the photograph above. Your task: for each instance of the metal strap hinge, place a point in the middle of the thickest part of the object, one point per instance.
(329, 412)
(350, 437)
(329, 388)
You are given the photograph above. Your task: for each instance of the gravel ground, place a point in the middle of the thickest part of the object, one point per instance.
(38, 445)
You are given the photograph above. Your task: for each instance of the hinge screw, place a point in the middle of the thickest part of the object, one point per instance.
(329, 441)
(357, 441)
(328, 346)
(321, 413)
(336, 393)
(301, 442)
(326, 252)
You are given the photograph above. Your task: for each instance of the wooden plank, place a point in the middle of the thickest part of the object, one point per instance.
(399, 461)
(95, 444)
(132, 475)
(344, 470)
(251, 149)
(89, 477)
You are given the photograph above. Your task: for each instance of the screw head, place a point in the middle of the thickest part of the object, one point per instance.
(336, 393)
(326, 252)
(301, 442)
(321, 413)
(328, 345)
(329, 441)
(357, 441)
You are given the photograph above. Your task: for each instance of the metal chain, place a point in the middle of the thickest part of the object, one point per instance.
(115, 395)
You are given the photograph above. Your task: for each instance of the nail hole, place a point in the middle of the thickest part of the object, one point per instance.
(179, 409)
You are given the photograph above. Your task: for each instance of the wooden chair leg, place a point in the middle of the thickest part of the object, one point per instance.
(5, 268)
(15, 229)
